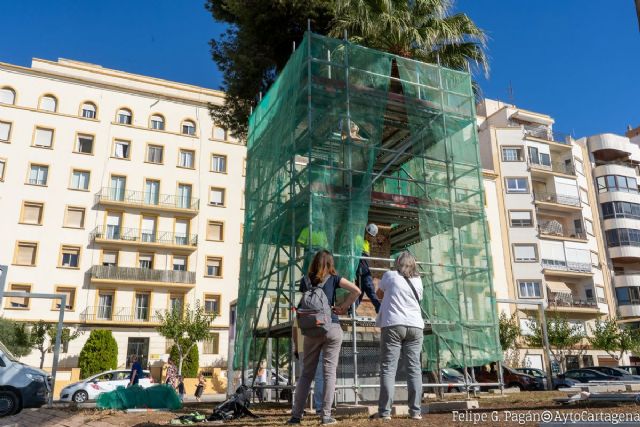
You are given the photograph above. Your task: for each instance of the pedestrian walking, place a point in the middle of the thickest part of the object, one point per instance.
(181, 389)
(200, 387)
(402, 326)
(136, 371)
(319, 287)
(261, 380)
(172, 374)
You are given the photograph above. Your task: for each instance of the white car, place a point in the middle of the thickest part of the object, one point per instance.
(90, 388)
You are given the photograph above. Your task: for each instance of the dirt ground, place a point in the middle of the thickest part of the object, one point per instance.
(522, 409)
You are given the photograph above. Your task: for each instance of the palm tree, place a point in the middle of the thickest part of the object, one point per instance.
(424, 30)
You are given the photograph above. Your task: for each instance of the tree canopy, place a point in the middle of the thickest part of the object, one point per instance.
(616, 340)
(565, 338)
(15, 336)
(260, 37)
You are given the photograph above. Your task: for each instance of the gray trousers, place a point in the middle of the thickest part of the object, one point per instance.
(396, 342)
(329, 344)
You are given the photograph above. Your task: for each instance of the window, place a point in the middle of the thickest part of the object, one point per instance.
(525, 253)
(3, 167)
(623, 237)
(185, 159)
(218, 163)
(529, 289)
(176, 302)
(214, 267)
(18, 302)
(84, 144)
(121, 149)
(43, 138)
(182, 231)
(48, 103)
(521, 218)
(157, 122)
(512, 154)
(89, 110)
(80, 180)
(212, 304)
(154, 154)
(7, 96)
(105, 304)
(110, 258)
(517, 185)
(142, 306)
(215, 230)
(151, 191)
(617, 183)
(5, 131)
(69, 257)
(38, 174)
(145, 261)
(124, 116)
(148, 232)
(184, 196)
(31, 213)
(219, 133)
(74, 217)
(179, 263)
(71, 298)
(584, 196)
(188, 127)
(26, 253)
(578, 166)
(211, 345)
(620, 210)
(588, 226)
(595, 262)
(216, 196)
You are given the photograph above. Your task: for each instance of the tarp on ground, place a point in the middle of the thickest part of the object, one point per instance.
(161, 396)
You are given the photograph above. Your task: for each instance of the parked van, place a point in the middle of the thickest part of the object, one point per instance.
(21, 386)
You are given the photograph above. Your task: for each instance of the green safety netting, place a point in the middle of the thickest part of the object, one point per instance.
(348, 135)
(159, 396)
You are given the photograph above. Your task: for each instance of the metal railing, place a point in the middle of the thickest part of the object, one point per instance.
(556, 229)
(560, 199)
(136, 235)
(143, 198)
(142, 274)
(120, 314)
(558, 300)
(558, 167)
(547, 134)
(578, 267)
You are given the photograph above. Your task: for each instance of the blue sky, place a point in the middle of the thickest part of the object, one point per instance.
(577, 60)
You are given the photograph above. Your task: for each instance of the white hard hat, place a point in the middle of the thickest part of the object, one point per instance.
(372, 229)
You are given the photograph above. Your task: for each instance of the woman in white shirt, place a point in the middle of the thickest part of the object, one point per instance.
(401, 324)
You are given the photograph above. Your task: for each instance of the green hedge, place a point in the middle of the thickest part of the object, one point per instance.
(100, 353)
(190, 364)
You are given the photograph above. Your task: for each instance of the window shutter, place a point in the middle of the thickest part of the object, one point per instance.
(5, 128)
(75, 218)
(32, 213)
(26, 254)
(44, 137)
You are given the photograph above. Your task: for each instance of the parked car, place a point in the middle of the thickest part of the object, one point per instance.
(280, 380)
(511, 379)
(587, 375)
(632, 369)
(92, 387)
(622, 374)
(557, 381)
(453, 377)
(21, 386)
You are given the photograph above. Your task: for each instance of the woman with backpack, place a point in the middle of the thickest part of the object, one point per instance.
(319, 287)
(401, 323)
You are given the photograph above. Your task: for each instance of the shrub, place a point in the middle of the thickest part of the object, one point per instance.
(191, 363)
(100, 353)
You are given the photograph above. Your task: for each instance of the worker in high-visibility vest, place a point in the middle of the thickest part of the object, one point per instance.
(364, 280)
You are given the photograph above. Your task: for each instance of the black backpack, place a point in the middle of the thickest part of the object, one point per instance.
(237, 406)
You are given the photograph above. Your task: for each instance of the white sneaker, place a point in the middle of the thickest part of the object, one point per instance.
(416, 417)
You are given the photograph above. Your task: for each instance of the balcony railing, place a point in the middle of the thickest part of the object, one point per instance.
(142, 274)
(142, 198)
(560, 199)
(562, 300)
(558, 167)
(120, 314)
(578, 267)
(135, 235)
(556, 229)
(547, 134)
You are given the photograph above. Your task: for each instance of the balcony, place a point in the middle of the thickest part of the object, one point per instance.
(545, 133)
(555, 229)
(565, 268)
(557, 200)
(138, 315)
(133, 275)
(563, 301)
(143, 238)
(139, 199)
(554, 168)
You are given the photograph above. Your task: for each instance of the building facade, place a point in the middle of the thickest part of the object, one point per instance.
(117, 190)
(549, 224)
(615, 160)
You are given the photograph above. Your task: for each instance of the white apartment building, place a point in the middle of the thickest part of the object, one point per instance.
(615, 162)
(550, 236)
(117, 190)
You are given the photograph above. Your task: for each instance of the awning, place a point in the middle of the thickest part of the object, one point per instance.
(558, 287)
(530, 116)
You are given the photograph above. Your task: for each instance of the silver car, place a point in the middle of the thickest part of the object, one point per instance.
(92, 387)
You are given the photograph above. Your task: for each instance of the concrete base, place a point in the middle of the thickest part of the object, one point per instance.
(344, 409)
(454, 405)
(603, 388)
(633, 387)
(511, 390)
(428, 396)
(400, 411)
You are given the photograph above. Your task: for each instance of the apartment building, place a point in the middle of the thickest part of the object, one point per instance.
(615, 160)
(119, 191)
(549, 221)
